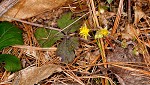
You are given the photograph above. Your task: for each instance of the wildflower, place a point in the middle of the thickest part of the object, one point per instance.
(84, 31)
(101, 33)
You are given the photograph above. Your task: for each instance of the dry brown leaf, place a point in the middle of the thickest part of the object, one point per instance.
(128, 75)
(130, 32)
(138, 14)
(29, 8)
(33, 75)
(6, 5)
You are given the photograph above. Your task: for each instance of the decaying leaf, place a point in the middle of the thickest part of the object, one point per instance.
(29, 8)
(66, 49)
(129, 77)
(32, 75)
(130, 32)
(5, 5)
(138, 14)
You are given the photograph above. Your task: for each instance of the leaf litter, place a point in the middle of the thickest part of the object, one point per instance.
(125, 48)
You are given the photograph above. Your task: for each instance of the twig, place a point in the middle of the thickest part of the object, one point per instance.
(79, 81)
(35, 48)
(132, 69)
(34, 24)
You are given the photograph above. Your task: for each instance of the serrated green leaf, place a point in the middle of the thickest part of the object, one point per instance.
(41, 35)
(109, 1)
(66, 20)
(47, 38)
(66, 49)
(9, 35)
(12, 63)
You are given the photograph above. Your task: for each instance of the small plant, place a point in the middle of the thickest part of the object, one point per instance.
(10, 35)
(65, 49)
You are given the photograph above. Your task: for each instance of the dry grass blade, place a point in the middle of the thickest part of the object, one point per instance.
(132, 69)
(142, 45)
(94, 13)
(35, 48)
(117, 20)
(98, 76)
(120, 80)
(74, 78)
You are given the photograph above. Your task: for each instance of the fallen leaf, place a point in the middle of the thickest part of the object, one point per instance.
(130, 32)
(138, 14)
(66, 49)
(5, 5)
(33, 75)
(9, 35)
(129, 77)
(29, 8)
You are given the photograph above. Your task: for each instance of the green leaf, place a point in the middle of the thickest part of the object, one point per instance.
(66, 20)
(47, 38)
(12, 63)
(9, 35)
(66, 49)
(109, 1)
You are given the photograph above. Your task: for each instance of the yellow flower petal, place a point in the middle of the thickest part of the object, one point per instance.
(101, 33)
(104, 32)
(84, 31)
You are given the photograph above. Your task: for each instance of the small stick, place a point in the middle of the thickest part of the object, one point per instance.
(34, 24)
(35, 48)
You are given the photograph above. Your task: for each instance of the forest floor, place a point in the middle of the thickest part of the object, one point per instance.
(87, 42)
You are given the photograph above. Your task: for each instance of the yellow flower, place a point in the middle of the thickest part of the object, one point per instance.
(84, 31)
(101, 33)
